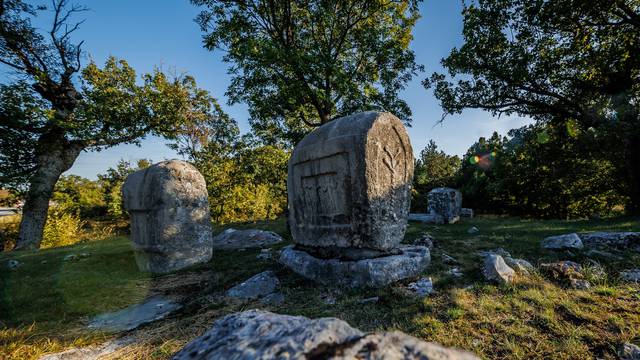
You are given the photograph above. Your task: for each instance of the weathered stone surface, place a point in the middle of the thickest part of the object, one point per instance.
(170, 220)
(375, 272)
(232, 239)
(261, 335)
(563, 270)
(445, 202)
(422, 287)
(519, 265)
(629, 351)
(349, 184)
(580, 284)
(562, 242)
(255, 287)
(495, 269)
(427, 218)
(631, 276)
(621, 240)
(90, 352)
(129, 318)
(13, 264)
(425, 239)
(473, 230)
(276, 298)
(466, 213)
(455, 272)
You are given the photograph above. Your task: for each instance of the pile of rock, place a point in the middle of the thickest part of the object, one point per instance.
(349, 185)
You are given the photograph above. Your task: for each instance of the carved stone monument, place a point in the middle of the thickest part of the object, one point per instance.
(170, 220)
(349, 194)
(446, 203)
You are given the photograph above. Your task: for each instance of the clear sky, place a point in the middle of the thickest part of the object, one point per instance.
(150, 33)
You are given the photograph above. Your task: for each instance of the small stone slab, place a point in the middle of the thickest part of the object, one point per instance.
(466, 213)
(261, 335)
(232, 239)
(255, 287)
(129, 318)
(427, 218)
(422, 287)
(376, 272)
(562, 242)
(632, 276)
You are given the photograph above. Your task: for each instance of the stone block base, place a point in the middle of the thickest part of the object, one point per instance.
(376, 272)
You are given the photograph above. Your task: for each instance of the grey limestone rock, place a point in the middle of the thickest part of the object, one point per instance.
(425, 239)
(90, 352)
(466, 213)
(349, 183)
(624, 240)
(495, 269)
(579, 284)
(445, 202)
(257, 286)
(374, 272)
(422, 287)
(629, 351)
(276, 298)
(473, 230)
(232, 239)
(562, 242)
(13, 264)
(632, 276)
(261, 335)
(170, 221)
(434, 219)
(519, 265)
(129, 318)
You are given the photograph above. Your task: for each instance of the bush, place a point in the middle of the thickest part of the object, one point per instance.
(64, 227)
(9, 230)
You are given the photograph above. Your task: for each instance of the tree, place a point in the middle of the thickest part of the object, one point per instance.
(104, 109)
(300, 63)
(111, 184)
(557, 61)
(434, 168)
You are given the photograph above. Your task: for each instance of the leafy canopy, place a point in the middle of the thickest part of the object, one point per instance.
(300, 63)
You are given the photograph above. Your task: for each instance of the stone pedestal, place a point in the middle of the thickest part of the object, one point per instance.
(170, 219)
(349, 190)
(445, 202)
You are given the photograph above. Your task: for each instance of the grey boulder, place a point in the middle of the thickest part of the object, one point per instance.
(261, 335)
(632, 276)
(255, 287)
(519, 265)
(375, 272)
(623, 240)
(629, 351)
(232, 239)
(445, 202)
(13, 264)
(422, 287)
(466, 213)
(434, 219)
(562, 242)
(495, 269)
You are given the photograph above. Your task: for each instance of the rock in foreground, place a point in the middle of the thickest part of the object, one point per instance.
(624, 240)
(495, 269)
(257, 286)
(562, 242)
(154, 308)
(260, 335)
(232, 239)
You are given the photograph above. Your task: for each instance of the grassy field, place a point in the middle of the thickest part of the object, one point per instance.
(46, 302)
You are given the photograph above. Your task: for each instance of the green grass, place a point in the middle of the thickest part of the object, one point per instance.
(45, 303)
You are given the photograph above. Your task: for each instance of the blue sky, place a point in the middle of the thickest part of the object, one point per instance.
(150, 33)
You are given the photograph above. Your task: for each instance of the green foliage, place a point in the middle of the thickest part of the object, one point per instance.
(79, 195)
(566, 62)
(541, 171)
(111, 184)
(434, 168)
(63, 227)
(298, 64)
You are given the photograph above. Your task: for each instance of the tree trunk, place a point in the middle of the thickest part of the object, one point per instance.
(55, 155)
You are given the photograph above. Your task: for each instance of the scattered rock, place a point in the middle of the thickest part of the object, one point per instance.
(466, 213)
(370, 300)
(563, 270)
(579, 284)
(602, 254)
(261, 335)
(499, 251)
(446, 259)
(562, 242)
(232, 239)
(276, 298)
(455, 272)
(328, 299)
(631, 275)
(13, 264)
(495, 269)
(426, 240)
(629, 351)
(90, 352)
(519, 265)
(473, 230)
(376, 272)
(265, 254)
(434, 219)
(626, 240)
(85, 255)
(422, 287)
(71, 257)
(129, 318)
(255, 287)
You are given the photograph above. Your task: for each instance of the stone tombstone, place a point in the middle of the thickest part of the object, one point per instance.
(445, 202)
(170, 220)
(349, 190)
(349, 184)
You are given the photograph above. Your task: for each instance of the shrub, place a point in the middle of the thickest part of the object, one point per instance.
(64, 227)
(9, 229)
